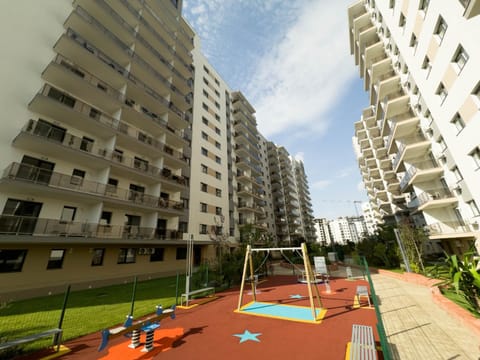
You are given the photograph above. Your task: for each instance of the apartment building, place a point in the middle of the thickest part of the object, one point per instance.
(212, 210)
(291, 197)
(416, 142)
(322, 231)
(306, 210)
(96, 100)
(369, 218)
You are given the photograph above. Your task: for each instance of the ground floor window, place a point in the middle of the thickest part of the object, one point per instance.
(56, 259)
(157, 254)
(126, 256)
(97, 258)
(12, 260)
(181, 253)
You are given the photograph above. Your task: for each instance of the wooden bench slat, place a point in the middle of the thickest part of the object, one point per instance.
(362, 345)
(29, 338)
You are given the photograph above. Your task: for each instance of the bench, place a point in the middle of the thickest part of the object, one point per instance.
(196, 292)
(362, 291)
(362, 345)
(57, 333)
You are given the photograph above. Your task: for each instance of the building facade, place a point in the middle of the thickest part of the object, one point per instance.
(416, 143)
(120, 143)
(96, 148)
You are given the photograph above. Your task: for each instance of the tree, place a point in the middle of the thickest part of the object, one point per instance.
(413, 239)
(380, 249)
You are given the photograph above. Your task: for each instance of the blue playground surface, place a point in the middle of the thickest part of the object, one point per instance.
(284, 312)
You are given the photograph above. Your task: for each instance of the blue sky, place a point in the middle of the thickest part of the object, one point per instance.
(291, 60)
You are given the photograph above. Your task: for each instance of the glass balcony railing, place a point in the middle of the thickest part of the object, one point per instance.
(24, 225)
(39, 176)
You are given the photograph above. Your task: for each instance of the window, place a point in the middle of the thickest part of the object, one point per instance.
(106, 218)
(205, 107)
(97, 257)
(217, 117)
(218, 175)
(86, 144)
(181, 253)
(203, 207)
(204, 169)
(441, 28)
(55, 261)
(205, 93)
(413, 40)
(458, 122)
(218, 145)
(475, 154)
(50, 131)
(11, 260)
(217, 130)
(61, 97)
(460, 58)
(426, 64)
(217, 93)
(424, 5)
(456, 172)
(476, 90)
(401, 21)
(126, 256)
(391, 4)
(473, 207)
(205, 121)
(203, 187)
(68, 213)
(157, 254)
(112, 186)
(218, 160)
(204, 135)
(217, 105)
(203, 229)
(442, 159)
(140, 163)
(206, 69)
(218, 192)
(217, 82)
(442, 143)
(218, 210)
(442, 92)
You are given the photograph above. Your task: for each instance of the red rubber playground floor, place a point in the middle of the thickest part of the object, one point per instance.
(213, 330)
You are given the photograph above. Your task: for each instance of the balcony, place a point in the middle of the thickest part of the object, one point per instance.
(380, 70)
(421, 172)
(436, 198)
(411, 148)
(27, 179)
(401, 128)
(387, 86)
(53, 228)
(450, 229)
(395, 105)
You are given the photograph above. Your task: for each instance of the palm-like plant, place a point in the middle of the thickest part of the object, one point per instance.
(463, 275)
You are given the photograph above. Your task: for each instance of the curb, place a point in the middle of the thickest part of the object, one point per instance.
(462, 315)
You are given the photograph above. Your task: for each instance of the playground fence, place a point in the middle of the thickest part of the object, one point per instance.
(380, 328)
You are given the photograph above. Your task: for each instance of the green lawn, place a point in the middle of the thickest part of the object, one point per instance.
(87, 311)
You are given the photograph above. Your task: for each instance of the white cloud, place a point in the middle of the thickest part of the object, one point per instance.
(299, 80)
(321, 184)
(345, 172)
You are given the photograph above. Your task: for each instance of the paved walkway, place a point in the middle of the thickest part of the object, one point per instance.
(417, 328)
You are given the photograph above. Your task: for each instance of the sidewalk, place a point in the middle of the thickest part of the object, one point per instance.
(418, 328)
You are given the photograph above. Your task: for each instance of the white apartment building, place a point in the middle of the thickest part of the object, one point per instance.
(417, 142)
(369, 218)
(211, 213)
(322, 231)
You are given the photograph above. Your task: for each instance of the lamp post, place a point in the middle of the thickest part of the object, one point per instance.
(402, 250)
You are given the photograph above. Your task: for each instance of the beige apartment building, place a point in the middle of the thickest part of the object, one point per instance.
(417, 143)
(97, 100)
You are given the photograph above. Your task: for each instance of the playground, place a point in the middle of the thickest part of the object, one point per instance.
(217, 330)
